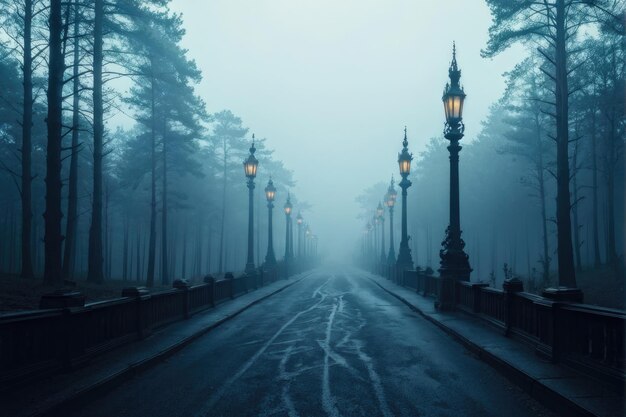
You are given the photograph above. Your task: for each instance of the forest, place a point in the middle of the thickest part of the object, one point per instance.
(82, 198)
(112, 168)
(554, 141)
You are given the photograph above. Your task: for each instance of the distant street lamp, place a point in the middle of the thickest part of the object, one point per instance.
(299, 220)
(375, 224)
(307, 233)
(270, 194)
(454, 262)
(380, 211)
(289, 233)
(250, 166)
(314, 241)
(369, 227)
(405, 262)
(390, 200)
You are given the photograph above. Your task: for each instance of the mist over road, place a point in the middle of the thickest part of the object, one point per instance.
(334, 345)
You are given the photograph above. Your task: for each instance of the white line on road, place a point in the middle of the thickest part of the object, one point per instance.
(374, 378)
(222, 390)
(328, 403)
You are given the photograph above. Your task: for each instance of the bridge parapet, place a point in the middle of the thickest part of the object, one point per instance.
(68, 333)
(586, 337)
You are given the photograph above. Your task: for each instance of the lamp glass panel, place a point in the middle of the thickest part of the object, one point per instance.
(405, 166)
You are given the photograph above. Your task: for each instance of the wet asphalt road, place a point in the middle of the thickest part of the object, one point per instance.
(333, 345)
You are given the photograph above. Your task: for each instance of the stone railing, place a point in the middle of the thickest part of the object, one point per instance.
(589, 338)
(66, 332)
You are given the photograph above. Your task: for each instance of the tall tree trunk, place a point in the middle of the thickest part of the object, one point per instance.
(209, 247)
(576, 225)
(545, 261)
(53, 215)
(125, 245)
(184, 260)
(224, 183)
(72, 196)
(12, 243)
(152, 238)
(139, 258)
(27, 147)
(597, 260)
(164, 254)
(567, 273)
(95, 261)
(197, 252)
(131, 262)
(610, 194)
(107, 233)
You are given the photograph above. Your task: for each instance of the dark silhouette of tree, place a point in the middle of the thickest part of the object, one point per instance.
(53, 238)
(18, 24)
(229, 141)
(554, 25)
(528, 137)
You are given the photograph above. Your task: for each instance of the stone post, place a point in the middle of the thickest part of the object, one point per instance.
(231, 280)
(183, 285)
(210, 281)
(138, 294)
(510, 287)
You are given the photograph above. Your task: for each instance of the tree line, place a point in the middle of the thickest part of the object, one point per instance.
(542, 183)
(162, 197)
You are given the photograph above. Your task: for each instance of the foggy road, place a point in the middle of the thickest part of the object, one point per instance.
(334, 345)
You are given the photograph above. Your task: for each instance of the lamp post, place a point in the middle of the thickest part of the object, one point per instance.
(250, 166)
(380, 212)
(404, 261)
(454, 262)
(307, 233)
(391, 201)
(270, 195)
(288, 232)
(299, 220)
(375, 224)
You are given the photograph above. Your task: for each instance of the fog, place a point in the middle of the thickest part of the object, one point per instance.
(126, 124)
(332, 84)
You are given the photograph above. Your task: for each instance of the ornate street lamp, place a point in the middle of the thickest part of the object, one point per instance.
(380, 211)
(299, 220)
(289, 233)
(454, 262)
(270, 195)
(390, 200)
(405, 262)
(250, 166)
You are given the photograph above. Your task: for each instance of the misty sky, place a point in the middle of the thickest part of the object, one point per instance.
(331, 85)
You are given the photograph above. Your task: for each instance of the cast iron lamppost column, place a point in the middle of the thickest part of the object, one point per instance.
(391, 201)
(307, 244)
(380, 211)
(375, 224)
(454, 262)
(405, 262)
(270, 194)
(288, 233)
(299, 220)
(307, 233)
(250, 166)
